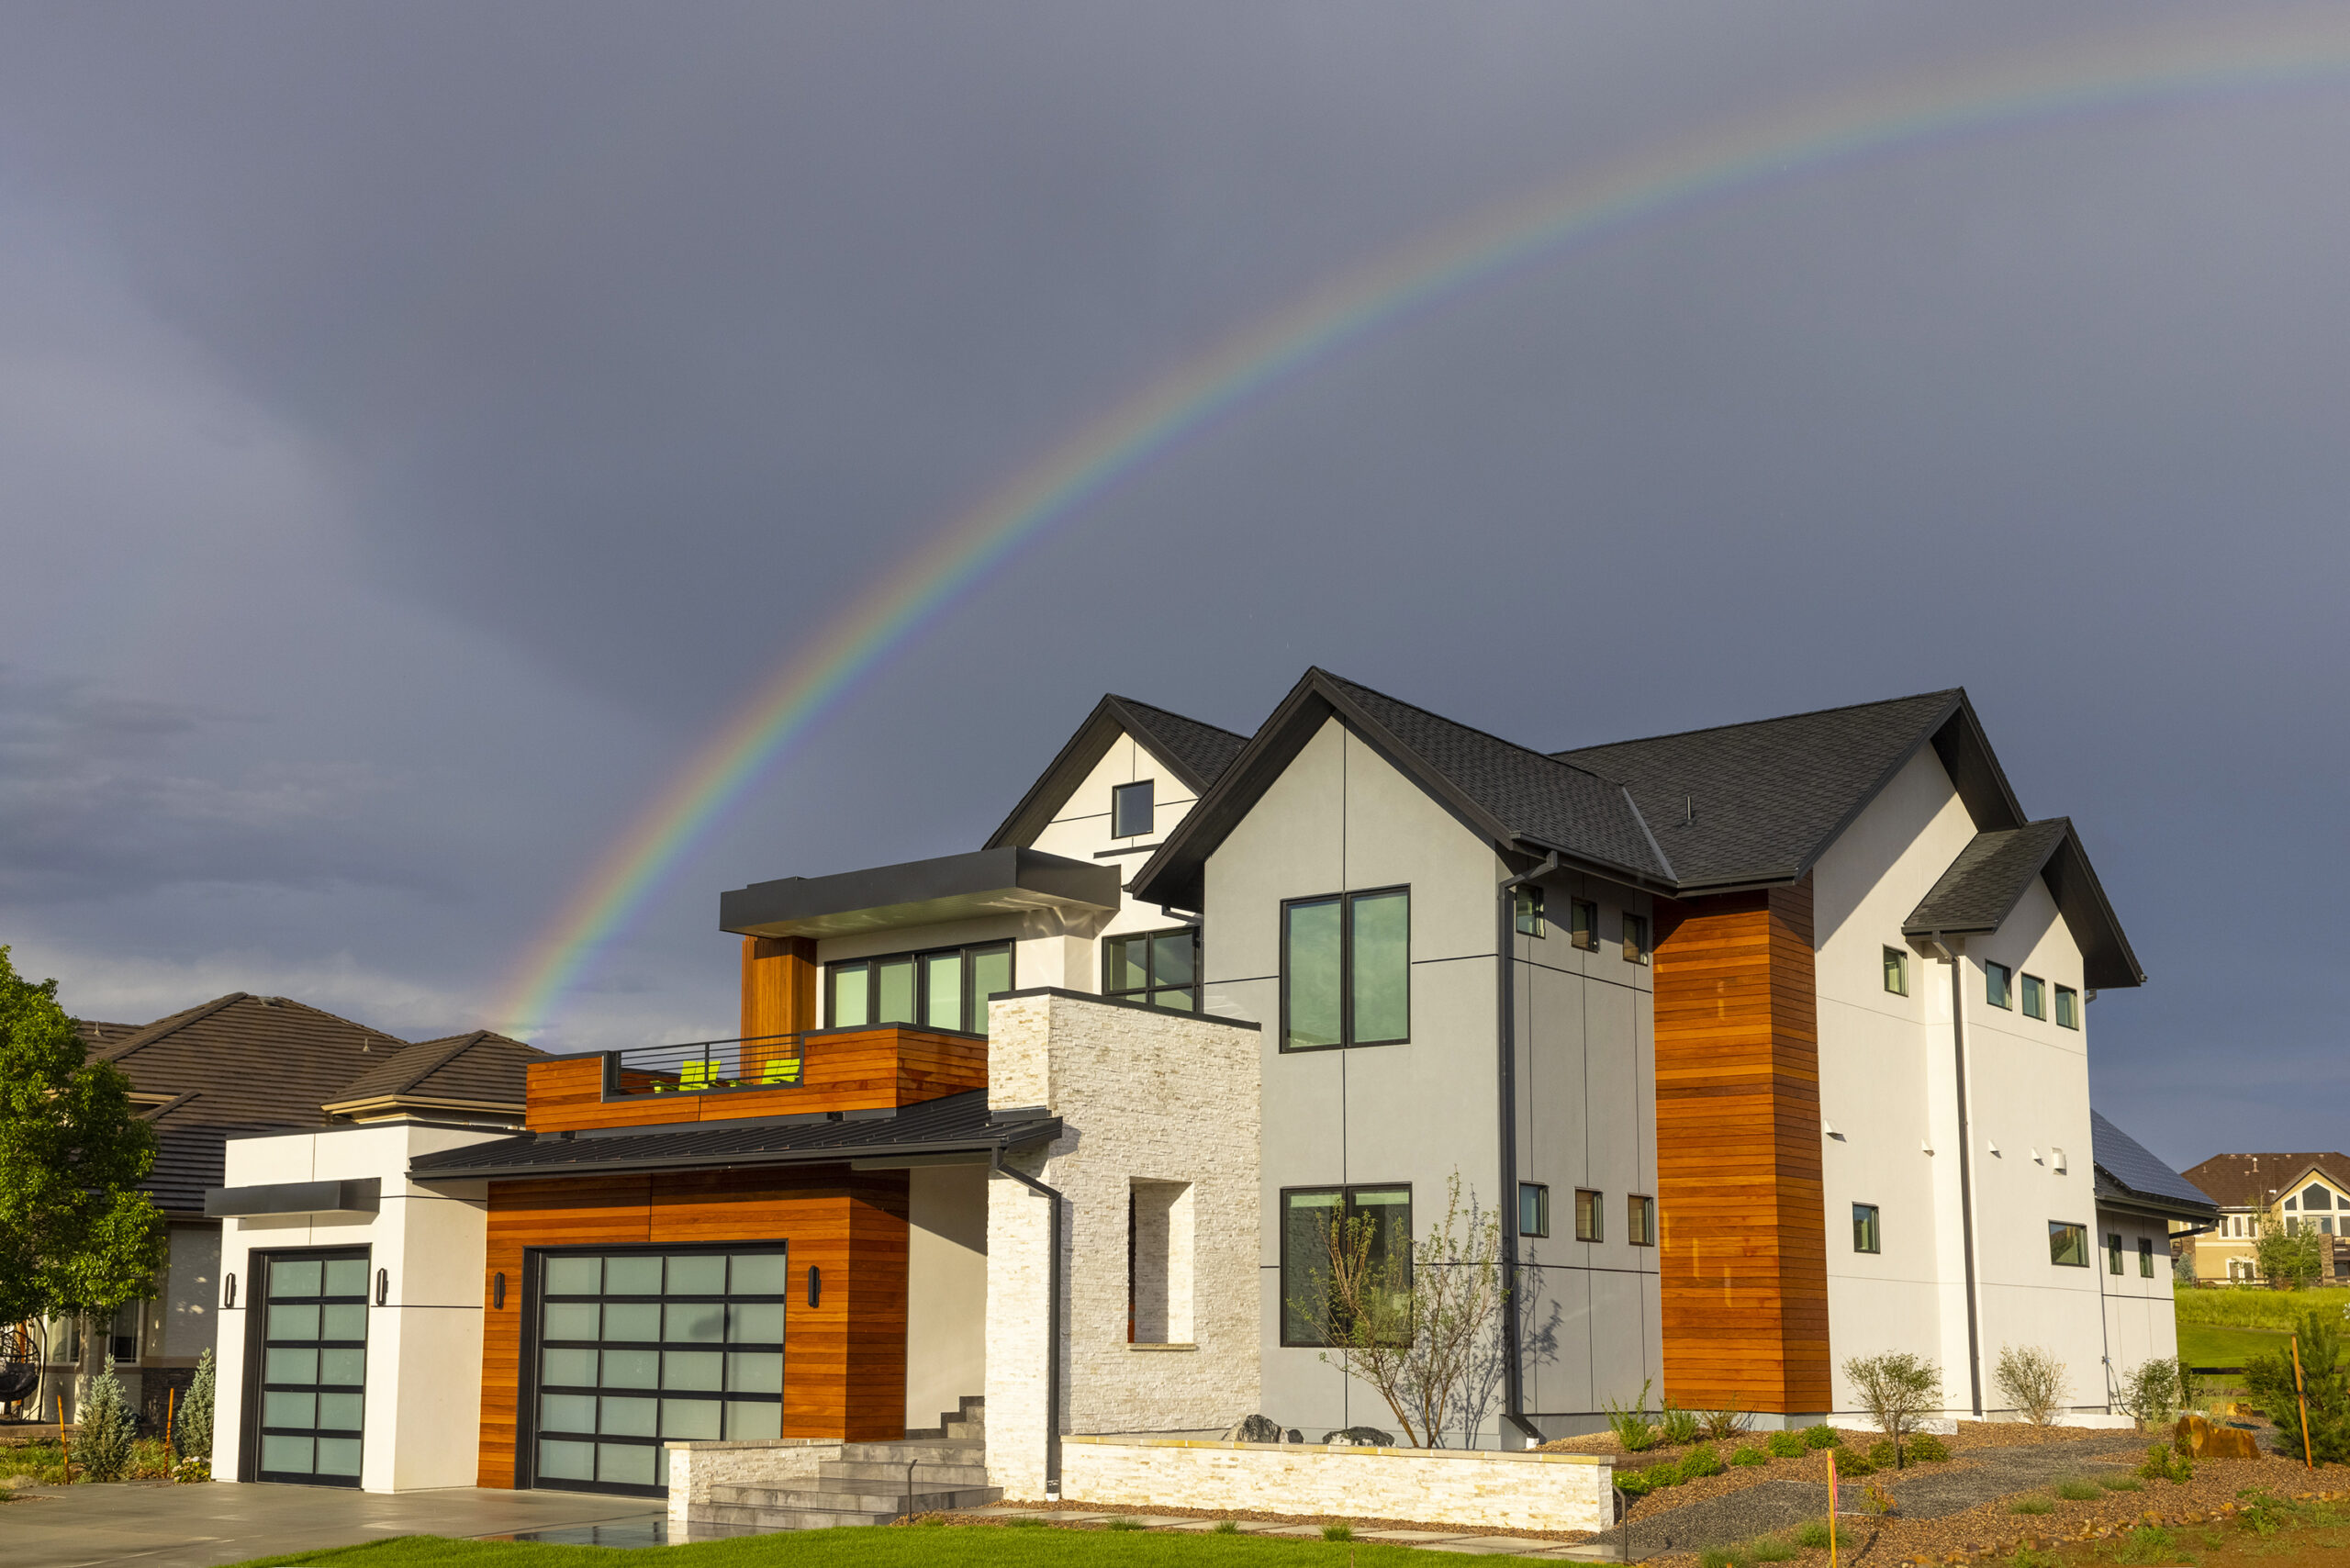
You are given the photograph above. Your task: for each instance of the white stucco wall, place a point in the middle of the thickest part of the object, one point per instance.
(946, 1289)
(1145, 1095)
(423, 1389)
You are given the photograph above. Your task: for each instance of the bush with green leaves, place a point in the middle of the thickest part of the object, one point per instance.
(1661, 1476)
(1813, 1535)
(1899, 1388)
(1927, 1447)
(1680, 1425)
(1822, 1435)
(1723, 1425)
(1699, 1462)
(2032, 1505)
(2031, 1380)
(1635, 1431)
(2261, 1512)
(1852, 1465)
(2149, 1393)
(1634, 1483)
(2269, 1380)
(2293, 1260)
(1787, 1444)
(2165, 1464)
(102, 1436)
(1749, 1454)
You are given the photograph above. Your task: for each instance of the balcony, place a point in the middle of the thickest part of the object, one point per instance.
(816, 1073)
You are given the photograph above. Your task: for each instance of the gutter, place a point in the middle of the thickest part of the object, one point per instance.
(996, 1167)
(1966, 1169)
(1505, 1032)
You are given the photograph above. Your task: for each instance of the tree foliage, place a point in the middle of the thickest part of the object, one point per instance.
(2268, 1378)
(2293, 1259)
(194, 1436)
(103, 1429)
(77, 1235)
(1897, 1388)
(2149, 1395)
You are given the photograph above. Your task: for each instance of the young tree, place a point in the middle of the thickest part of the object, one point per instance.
(1897, 1388)
(1411, 1319)
(2293, 1260)
(194, 1436)
(2268, 1377)
(2031, 1380)
(104, 1427)
(2149, 1396)
(77, 1235)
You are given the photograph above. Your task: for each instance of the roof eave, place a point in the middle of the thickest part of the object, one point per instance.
(1026, 1133)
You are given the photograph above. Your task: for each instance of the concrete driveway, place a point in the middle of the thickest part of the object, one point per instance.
(155, 1525)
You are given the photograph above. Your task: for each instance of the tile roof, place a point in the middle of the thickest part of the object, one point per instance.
(953, 1123)
(483, 1066)
(1761, 801)
(2125, 1169)
(2247, 1181)
(1981, 887)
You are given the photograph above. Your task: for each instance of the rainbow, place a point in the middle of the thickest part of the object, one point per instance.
(2100, 75)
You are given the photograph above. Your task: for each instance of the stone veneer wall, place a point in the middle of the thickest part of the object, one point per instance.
(695, 1468)
(1145, 1097)
(1498, 1490)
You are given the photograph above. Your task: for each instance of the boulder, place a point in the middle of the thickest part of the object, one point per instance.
(1253, 1429)
(1360, 1437)
(2198, 1438)
(1293, 1436)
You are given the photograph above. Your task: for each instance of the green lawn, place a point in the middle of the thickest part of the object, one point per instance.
(886, 1547)
(2208, 1344)
(2261, 1308)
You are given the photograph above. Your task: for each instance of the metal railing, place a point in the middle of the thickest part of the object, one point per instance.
(699, 1066)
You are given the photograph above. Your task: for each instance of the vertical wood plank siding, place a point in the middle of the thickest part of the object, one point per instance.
(1742, 1236)
(844, 1360)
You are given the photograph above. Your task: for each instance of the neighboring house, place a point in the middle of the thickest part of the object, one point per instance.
(235, 1067)
(2292, 1193)
(1765, 1046)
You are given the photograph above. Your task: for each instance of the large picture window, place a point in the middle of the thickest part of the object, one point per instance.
(947, 989)
(1346, 971)
(1310, 1307)
(1162, 968)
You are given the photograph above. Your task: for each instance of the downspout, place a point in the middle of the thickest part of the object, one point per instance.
(1052, 1318)
(1965, 1168)
(1506, 952)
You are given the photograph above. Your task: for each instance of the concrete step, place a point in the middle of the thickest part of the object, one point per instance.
(746, 1517)
(966, 1431)
(868, 1498)
(927, 1472)
(921, 1452)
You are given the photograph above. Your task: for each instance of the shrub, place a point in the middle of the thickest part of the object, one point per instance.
(2292, 1260)
(195, 1435)
(1680, 1425)
(2031, 1380)
(102, 1440)
(1662, 1476)
(1633, 1484)
(1896, 1388)
(1770, 1549)
(1813, 1535)
(1927, 1447)
(1338, 1532)
(1635, 1433)
(2162, 1464)
(1852, 1465)
(1881, 1454)
(2268, 1378)
(1723, 1425)
(2262, 1513)
(1701, 1460)
(2149, 1396)
(2032, 1505)
(2148, 1543)
(2077, 1491)
(1786, 1445)
(1714, 1557)
(1749, 1454)
(1822, 1435)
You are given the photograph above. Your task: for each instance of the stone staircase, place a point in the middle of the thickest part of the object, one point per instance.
(870, 1484)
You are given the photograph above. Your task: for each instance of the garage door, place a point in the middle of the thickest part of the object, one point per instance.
(313, 1366)
(639, 1348)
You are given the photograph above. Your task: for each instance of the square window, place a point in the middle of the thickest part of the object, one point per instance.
(1639, 1220)
(1130, 809)
(1636, 938)
(2036, 997)
(1997, 986)
(1897, 971)
(1527, 902)
(1583, 929)
(2068, 1244)
(1314, 1220)
(2068, 1007)
(1864, 1231)
(1162, 968)
(1589, 1224)
(1533, 1209)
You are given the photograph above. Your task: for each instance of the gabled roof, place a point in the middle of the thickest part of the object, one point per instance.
(2247, 1180)
(1983, 886)
(2129, 1175)
(1197, 752)
(1507, 794)
(482, 1071)
(1741, 804)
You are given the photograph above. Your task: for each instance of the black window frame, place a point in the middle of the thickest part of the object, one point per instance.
(2113, 1253)
(2004, 997)
(1639, 1219)
(1346, 902)
(1582, 924)
(2068, 1007)
(1346, 1209)
(2323, 1202)
(1636, 938)
(1591, 1216)
(535, 1344)
(1120, 794)
(1896, 967)
(2068, 1237)
(1526, 911)
(259, 1264)
(1533, 1200)
(1870, 1228)
(1150, 989)
(2145, 1257)
(2032, 999)
(837, 968)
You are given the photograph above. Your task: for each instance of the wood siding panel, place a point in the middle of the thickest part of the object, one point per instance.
(779, 985)
(1742, 1240)
(851, 1071)
(845, 1360)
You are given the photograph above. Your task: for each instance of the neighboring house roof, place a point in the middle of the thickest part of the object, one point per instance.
(2255, 1180)
(1198, 752)
(953, 1124)
(2129, 1176)
(1509, 794)
(97, 1036)
(238, 1064)
(479, 1071)
(1983, 886)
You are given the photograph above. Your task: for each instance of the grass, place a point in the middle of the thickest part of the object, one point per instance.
(42, 1459)
(2032, 1505)
(2216, 1345)
(2117, 1482)
(972, 1547)
(2080, 1491)
(2264, 1308)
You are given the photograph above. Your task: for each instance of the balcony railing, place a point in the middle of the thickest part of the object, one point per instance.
(699, 1066)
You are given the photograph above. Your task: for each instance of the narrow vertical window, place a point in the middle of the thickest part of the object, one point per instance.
(990, 977)
(1636, 938)
(2068, 1007)
(1897, 971)
(2036, 997)
(1381, 962)
(1864, 1231)
(2145, 1257)
(893, 990)
(1533, 1209)
(1588, 1219)
(1582, 928)
(1528, 904)
(2113, 1252)
(1130, 809)
(941, 990)
(846, 1004)
(1639, 1220)
(1311, 969)
(1996, 985)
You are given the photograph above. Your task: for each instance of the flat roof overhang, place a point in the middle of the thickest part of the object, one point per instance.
(1010, 880)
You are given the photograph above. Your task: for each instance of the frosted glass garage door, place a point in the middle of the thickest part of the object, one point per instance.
(638, 1349)
(314, 1367)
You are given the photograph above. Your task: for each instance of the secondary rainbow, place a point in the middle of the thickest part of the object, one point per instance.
(2097, 76)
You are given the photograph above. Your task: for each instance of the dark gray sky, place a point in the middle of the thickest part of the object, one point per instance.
(421, 424)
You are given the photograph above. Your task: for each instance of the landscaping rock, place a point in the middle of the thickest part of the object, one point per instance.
(1293, 1436)
(1360, 1437)
(1254, 1430)
(2197, 1436)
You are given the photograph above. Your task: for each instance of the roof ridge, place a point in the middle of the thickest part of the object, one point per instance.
(1749, 723)
(1472, 729)
(458, 1045)
(168, 1025)
(1170, 712)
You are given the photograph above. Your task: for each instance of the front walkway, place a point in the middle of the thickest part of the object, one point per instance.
(156, 1525)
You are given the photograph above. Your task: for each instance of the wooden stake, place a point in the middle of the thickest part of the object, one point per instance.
(1831, 1509)
(170, 1405)
(2302, 1398)
(61, 1441)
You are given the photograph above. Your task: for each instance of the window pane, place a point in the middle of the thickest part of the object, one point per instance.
(575, 1276)
(691, 1370)
(625, 1464)
(288, 1456)
(750, 1372)
(1181, 1001)
(1585, 925)
(635, 1274)
(1864, 1227)
(760, 1322)
(567, 1412)
(344, 1323)
(1533, 1209)
(1527, 909)
(294, 1278)
(566, 1462)
(1382, 967)
(572, 1320)
(1306, 1219)
(281, 1409)
(1310, 971)
(689, 1418)
(1897, 971)
(2145, 1257)
(2068, 1007)
(941, 979)
(293, 1321)
(762, 1273)
(568, 1369)
(2034, 998)
(1995, 984)
(1636, 939)
(894, 992)
(341, 1412)
(1642, 1214)
(694, 1322)
(2068, 1244)
(703, 1275)
(1171, 956)
(1125, 961)
(632, 1320)
(1587, 1217)
(1390, 1210)
(747, 1421)
(629, 1418)
(2113, 1252)
(291, 1366)
(2316, 1197)
(846, 1007)
(1130, 809)
(632, 1369)
(346, 1276)
(991, 976)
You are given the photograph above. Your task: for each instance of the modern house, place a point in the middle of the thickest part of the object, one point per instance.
(2260, 1192)
(234, 1067)
(1764, 1045)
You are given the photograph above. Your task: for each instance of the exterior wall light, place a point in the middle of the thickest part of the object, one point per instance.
(228, 1292)
(383, 1287)
(815, 1285)
(498, 1290)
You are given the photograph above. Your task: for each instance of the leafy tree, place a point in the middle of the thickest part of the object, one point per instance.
(2268, 1378)
(1897, 1388)
(77, 1235)
(2293, 1260)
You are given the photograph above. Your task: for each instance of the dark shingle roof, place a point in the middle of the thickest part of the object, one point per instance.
(954, 1123)
(483, 1066)
(1981, 887)
(1201, 752)
(1761, 802)
(2125, 1169)
(2245, 1181)
(1197, 752)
